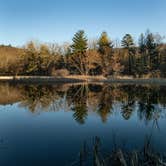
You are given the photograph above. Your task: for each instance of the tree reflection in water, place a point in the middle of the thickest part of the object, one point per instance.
(96, 155)
(82, 99)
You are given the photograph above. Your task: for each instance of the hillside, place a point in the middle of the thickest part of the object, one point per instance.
(9, 58)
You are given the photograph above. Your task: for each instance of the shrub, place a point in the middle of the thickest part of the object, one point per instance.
(153, 74)
(60, 72)
(156, 74)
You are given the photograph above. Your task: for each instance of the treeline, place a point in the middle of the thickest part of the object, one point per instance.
(146, 58)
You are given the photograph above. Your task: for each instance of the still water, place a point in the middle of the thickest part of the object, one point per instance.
(47, 124)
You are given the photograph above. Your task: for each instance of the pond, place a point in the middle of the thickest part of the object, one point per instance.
(48, 124)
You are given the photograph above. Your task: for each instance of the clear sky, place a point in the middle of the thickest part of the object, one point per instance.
(58, 20)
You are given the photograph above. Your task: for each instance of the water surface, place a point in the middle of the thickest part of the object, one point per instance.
(47, 124)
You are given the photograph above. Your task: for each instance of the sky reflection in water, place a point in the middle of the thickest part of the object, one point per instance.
(47, 124)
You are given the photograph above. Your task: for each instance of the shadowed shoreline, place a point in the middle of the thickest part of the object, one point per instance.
(80, 79)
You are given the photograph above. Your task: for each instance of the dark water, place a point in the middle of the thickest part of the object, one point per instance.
(47, 124)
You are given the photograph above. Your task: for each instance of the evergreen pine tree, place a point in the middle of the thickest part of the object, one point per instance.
(77, 59)
(31, 57)
(151, 50)
(128, 44)
(142, 61)
(105, 48)
(79, 42)
(105, 45)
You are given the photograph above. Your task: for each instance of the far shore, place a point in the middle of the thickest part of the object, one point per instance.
(81, 79)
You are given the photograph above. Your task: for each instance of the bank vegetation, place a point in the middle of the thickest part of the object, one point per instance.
(145, 58)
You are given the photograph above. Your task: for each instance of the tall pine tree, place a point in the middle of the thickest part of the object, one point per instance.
(78, 60)
(151, 50)
(79, 42)
(128, 44)
(105, 48)
(142, 61)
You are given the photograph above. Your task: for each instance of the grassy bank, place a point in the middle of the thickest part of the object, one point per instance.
(79, 78)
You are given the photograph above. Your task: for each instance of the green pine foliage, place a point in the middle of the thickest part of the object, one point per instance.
(79, 42)
(128, 44)
(127, 41)
(152, 52)
(142, 62)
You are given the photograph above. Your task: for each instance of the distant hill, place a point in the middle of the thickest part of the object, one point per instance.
(9, 58)
(10, 52)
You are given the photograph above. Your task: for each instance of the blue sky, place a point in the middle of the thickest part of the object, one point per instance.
(58, 20)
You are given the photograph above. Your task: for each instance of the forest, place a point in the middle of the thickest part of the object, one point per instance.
(145, 58)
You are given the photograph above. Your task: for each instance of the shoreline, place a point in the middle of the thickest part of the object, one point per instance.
(80, 79)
